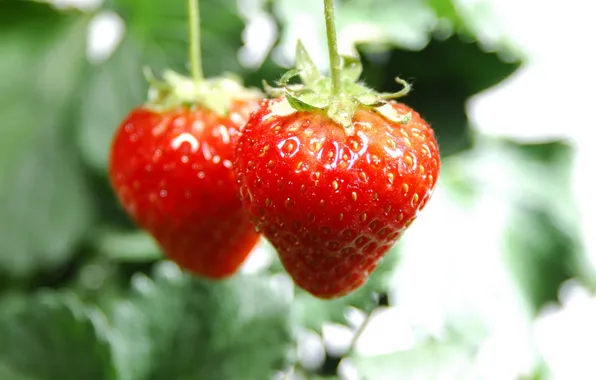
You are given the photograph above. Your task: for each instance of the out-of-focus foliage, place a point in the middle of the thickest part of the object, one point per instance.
(55, 337)
(86, 295)
(46, 205)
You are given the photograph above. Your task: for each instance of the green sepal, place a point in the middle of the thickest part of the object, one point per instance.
(288, 75)
(315, 99)
(406, 88)
(351, 68)
(309, 74)
(342, 112)
(274, 92)
(316, 92)
(391, 114)
(215, 93)
(364, 95)
(298, 104)
(282, 108)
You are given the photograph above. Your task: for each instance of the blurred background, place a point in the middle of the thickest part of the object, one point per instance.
(496, 279)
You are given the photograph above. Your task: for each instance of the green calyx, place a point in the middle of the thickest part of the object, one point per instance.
(316, 92)
(216, 94)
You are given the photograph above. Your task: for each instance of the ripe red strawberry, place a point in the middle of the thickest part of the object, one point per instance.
(333, 204)
(171, 168)
(333, 179)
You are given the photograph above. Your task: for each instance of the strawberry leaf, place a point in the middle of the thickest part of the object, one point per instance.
(45, 202)
(175, 326)
(428, 361)
(441, 91)
(132, 246)
(54, 337)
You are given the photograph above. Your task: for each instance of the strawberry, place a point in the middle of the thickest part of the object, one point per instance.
(171, 165)
(171, 169)
(333, 180)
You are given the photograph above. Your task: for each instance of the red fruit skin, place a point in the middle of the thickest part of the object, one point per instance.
(172, 172)
(333, 204)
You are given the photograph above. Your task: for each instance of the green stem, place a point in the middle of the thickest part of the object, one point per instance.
(194, 35)
(334, 59)
(358, 333)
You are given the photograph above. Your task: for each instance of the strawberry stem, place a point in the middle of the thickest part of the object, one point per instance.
(194, 35)
(359, 332)
(334, 58)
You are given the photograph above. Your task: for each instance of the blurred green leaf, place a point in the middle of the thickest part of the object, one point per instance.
(542, 243)
(428, 361)
(7, 374)
(541, 255)
(11, 302)
(44, 201)
(444, 75)
(312, 312)
(54, 338)
(407, 24)
(160, 31)
(112, 90)
(447, 10)
(178, 327)
(133, 246)
(156, 37)
(269, 71)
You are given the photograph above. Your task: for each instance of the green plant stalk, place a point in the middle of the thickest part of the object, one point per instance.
(334, 58)
(194, 36)
(352, 348)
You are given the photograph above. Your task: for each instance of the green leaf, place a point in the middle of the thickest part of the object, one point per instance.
(11, 301)
(55, 338)
(312, 313)
(407, 24)
(44, 200)
(440, 91)
(543, 240)
(541, 254)
(428, 361)
(159, 30)
(178, 327)
(541, 243)
(106, 102)
(132, 246)
(309, 74)
(446, 10)
(8, 374)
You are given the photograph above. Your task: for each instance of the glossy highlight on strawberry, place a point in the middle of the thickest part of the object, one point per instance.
(172, 172)
(332, 204)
